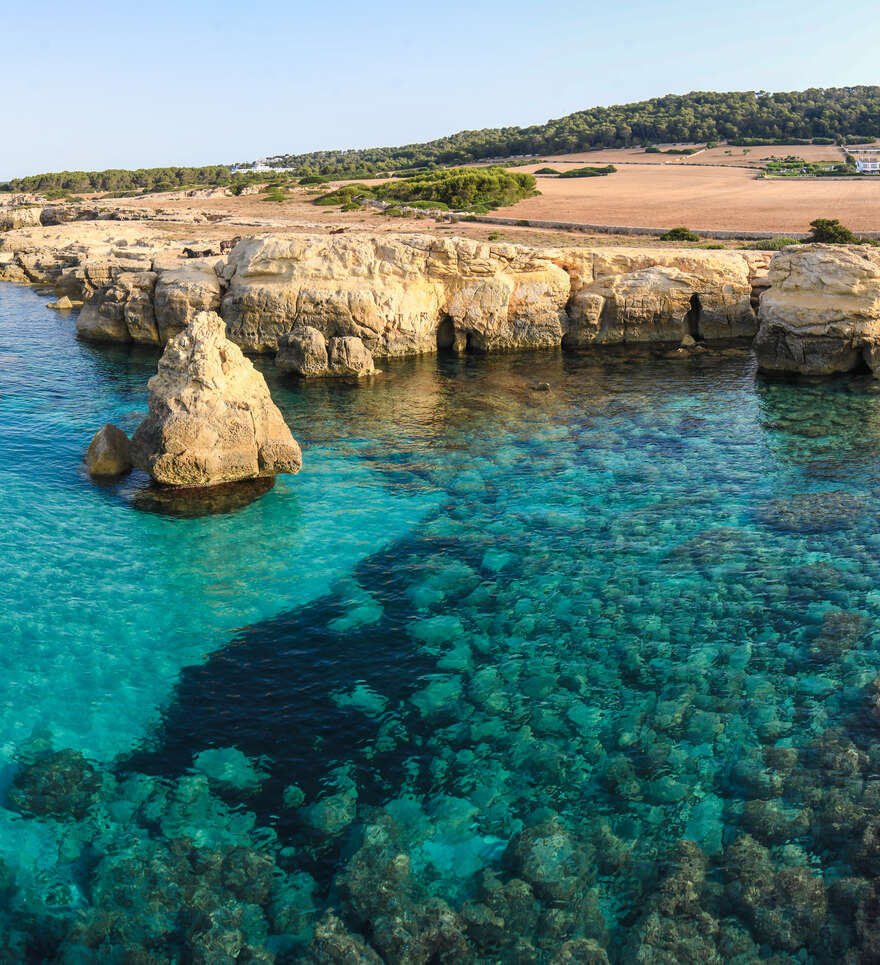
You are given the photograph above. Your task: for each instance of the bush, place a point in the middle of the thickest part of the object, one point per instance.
(351, 206)
(652, 150)
(523, 223)
(274, 193)
(589, 172)
(476, 189)
(546, 171)
(315, 179)
(679, 234)
(771, 244)
(823, 140)
(429, 205)
(830, 231)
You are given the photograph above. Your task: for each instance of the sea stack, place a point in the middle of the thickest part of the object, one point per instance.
(211, 418)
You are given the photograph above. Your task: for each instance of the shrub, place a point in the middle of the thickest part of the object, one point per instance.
(546, 171)
(679, 234)
(345, 194)
(523, 223)
(274, 193)
(493, 235)
(476, 189)
(589, 172)
(429, 205)
(830, 231)
(315, 179)
(652, 150)
(351, 206)
(771, 244)
(712, 246)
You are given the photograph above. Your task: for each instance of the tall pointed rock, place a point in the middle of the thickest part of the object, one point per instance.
(211, 418)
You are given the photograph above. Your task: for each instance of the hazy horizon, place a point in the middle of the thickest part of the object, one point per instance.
(220, 83)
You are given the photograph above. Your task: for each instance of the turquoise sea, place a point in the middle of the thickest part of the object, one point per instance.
(503, 675)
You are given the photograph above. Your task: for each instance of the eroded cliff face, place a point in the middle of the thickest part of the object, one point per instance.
(402, 295)
(821, 312)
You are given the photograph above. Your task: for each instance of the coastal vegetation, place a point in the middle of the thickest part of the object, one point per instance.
(589, 172)
(118, 180)
(679, 234)
(830, 231)
(463, 189)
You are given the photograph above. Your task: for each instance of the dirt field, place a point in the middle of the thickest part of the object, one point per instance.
(700, 196)
(711, 190)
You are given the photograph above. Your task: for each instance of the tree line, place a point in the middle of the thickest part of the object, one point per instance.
(701, 116)
(847, 114)
(117, 179)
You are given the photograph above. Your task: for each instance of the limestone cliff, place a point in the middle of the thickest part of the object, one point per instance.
(409, 295)
(821, 311)
(399, 294)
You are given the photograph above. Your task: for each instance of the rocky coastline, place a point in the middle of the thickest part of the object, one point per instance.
(400, 294)
(811, 309)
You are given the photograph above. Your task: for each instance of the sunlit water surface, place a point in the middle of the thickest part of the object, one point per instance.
(522, 638)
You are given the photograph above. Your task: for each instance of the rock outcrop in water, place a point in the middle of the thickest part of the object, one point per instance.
(308, 354)
(211, 418)
(821, 313)
(108, 453)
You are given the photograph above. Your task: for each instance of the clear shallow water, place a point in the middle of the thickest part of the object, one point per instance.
(530, 642)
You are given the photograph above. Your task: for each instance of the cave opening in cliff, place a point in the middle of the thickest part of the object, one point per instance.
(692, 319)
(445, 334)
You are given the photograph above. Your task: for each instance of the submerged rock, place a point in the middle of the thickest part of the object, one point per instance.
(211, 418)
(814, 512)
(228, 767)
(334, 944)
(58, 784)
(108, 453)
(190, 502)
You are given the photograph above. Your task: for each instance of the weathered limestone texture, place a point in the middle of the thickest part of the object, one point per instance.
(821, 312)
(623, 295)
(308, 354)
(211, 419)
(399, 294)
(410, 294)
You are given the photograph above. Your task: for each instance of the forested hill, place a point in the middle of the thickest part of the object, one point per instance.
(837, 113)
(834, 112)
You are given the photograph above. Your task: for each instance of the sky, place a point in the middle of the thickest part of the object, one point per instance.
(96, 85)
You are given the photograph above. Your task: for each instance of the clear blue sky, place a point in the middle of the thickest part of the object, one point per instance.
(98, 84)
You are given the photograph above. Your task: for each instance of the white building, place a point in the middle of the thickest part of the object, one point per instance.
(867, 160)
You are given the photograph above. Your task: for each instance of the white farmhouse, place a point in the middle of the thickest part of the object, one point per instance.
(867, 160)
